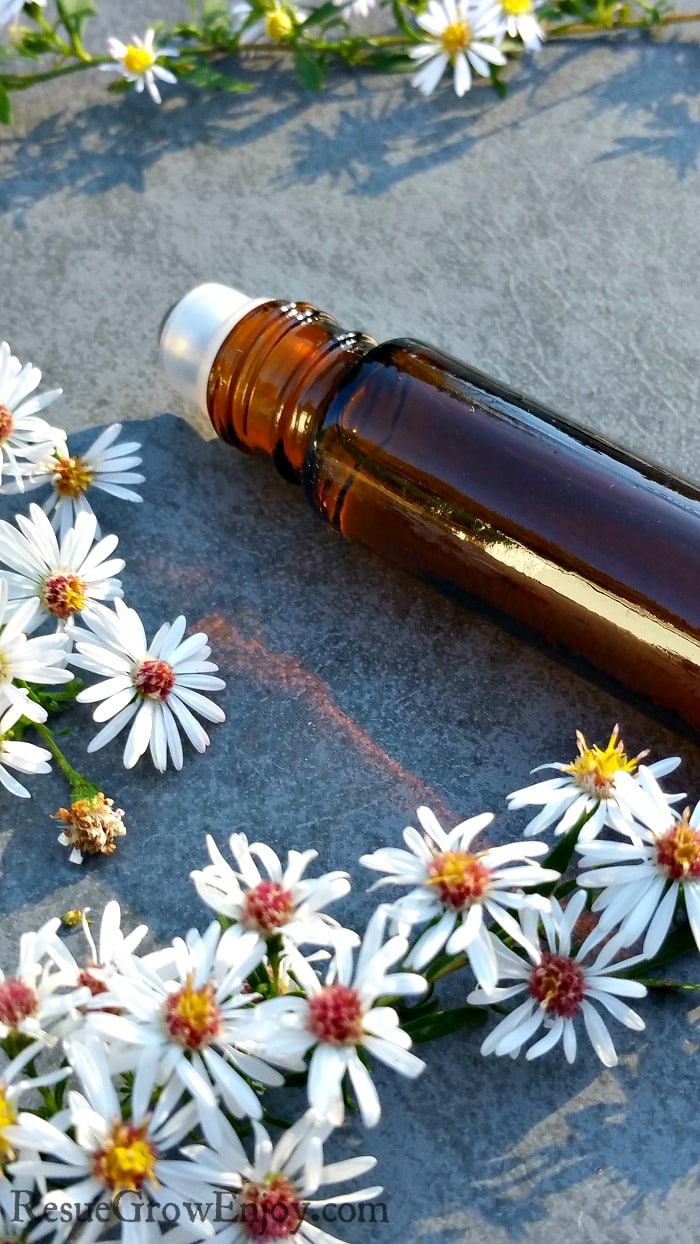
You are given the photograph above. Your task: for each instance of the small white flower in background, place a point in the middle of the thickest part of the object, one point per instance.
(103, 959)
(519, 21)
(457, 888)
(29, 1003)
(273, 1197)
(59, 580)
(277, 24)
(24, 438)
(16, 754)
(275, 901)
(561, 988)
(587, 786)
(116, 1157)
(105, 465)
(457, 34)
(338, 1018)
(39, 660)
(642, 881)
(138, 62)
(190, 1023)
(158, 685)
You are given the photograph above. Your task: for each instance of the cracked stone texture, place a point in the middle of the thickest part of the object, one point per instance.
(552, 240)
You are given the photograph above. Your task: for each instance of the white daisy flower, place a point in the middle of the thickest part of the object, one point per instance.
(519, 22)
(642, 881)
(39, 660)
(455, 887)
(16, 754)
(103, 960)
(191, 1023)
(586, 788)
(274, 901)
(277, 24)
(560, 988)
(105, 465)
(274, 1195)
(11, 1089)
(138, 62)
(24, 438)
(457, 33)
(339, 1018)
(29, 1002)
(62, 580)
(117, 1157)
(158, 685)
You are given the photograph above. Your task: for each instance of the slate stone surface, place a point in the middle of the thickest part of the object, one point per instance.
(553, 241)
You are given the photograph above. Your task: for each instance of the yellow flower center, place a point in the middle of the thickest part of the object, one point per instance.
(516, 7)
(8, 1115)
(71, 477)
(64, 595)
(455, 38)
(127, 1161)
(137, 60)
(594, 768)
(278, 25)
(192, 1016)
(459, 878)
(678, 850)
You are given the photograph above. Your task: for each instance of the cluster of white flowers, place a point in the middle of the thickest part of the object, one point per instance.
(159, 1046)
(59, 575)
(464, 35)
(164, 1057)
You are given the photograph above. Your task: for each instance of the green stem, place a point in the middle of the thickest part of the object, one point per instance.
(79, 786)
(22, 82)
(653, 982)
(631, 23)
(75, 41)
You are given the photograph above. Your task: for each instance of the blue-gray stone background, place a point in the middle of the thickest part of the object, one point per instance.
(552, 240)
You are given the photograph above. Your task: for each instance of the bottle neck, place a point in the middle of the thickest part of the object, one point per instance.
(274, 377)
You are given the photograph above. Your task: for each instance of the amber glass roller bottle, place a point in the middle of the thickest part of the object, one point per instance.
(460, 480)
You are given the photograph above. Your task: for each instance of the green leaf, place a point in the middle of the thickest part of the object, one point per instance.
(215, 13)
(322, 13)
(386, 60)
(501, 90)
(212, 79)
(5, 106)
(442, 1023)
(311, 71)
(560, 855)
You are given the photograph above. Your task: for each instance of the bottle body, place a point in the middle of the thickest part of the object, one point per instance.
(476, 489)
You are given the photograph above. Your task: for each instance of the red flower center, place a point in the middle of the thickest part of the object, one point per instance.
(335, 1016)
(17, 1002)
(192, 1016)
(678, 850)
(154, 680)
(267, 907)
(458, 878)
(270, 1210)
(558, 984)
(7, 422)
(64, 595)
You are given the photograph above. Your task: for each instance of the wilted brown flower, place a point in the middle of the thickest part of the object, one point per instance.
(90, 827)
